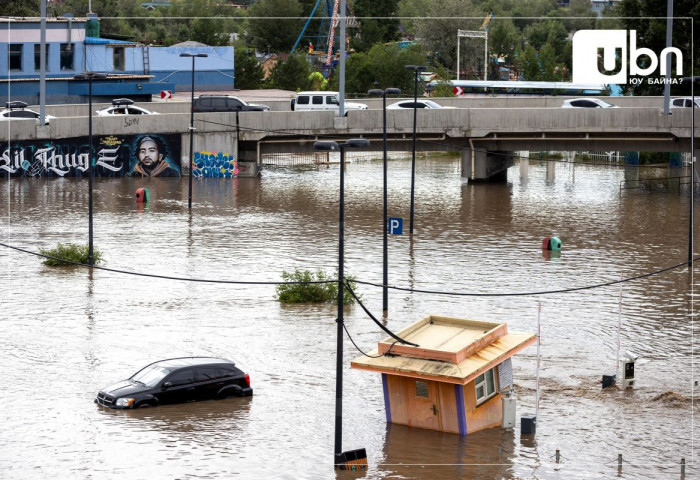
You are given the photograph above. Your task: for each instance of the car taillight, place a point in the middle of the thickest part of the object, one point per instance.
(247, 379)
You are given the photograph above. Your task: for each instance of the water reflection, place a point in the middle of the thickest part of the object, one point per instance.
(70, 332)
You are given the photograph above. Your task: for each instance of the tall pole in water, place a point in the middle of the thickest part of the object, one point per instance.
(191, 162)
(416, 69)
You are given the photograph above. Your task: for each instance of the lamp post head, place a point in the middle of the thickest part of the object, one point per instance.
(387, 91)
(350, 143)
(325, 146)
(89, 75)
(417, 68)
(356, 143)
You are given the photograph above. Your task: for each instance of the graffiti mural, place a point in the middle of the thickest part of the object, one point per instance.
(115, 156)
(214, 165)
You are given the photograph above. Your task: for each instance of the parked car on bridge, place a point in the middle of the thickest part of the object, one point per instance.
(17, 109)
(684, 102)
(177, 380)
(124, 106)
(419, 104)
(225, 103)
(320, 101)
(587, 103)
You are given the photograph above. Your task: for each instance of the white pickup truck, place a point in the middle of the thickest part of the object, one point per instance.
(318, 101)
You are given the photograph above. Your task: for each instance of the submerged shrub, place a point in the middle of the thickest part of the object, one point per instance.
(70, 254)
(299, 287)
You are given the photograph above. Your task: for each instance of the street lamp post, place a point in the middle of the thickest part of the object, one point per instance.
(193, 55)
(90, 76)
(385, 278)
(331, 146)
(416, 69)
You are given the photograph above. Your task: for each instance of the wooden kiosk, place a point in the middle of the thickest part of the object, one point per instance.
(451, 382)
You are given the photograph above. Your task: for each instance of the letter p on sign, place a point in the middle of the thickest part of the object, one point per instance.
(395, 226)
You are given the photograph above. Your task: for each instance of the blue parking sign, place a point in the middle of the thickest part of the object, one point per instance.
(395, 226)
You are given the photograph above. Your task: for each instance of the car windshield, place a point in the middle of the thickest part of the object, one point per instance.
(431, 104)
(150, 375)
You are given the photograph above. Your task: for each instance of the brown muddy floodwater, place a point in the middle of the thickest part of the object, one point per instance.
(68, 332)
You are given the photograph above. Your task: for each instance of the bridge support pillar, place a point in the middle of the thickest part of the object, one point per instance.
(486, 166)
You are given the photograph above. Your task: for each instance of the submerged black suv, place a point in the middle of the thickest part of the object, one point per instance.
(177, 380)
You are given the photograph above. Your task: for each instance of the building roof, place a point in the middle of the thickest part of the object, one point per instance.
(108, 41)
(189, 43)
(449, 349)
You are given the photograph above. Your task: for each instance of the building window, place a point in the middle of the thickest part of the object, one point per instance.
(67, 51)
(485, 385)
(15, 56)
(118, 59)
(37, 57)
(422, 389)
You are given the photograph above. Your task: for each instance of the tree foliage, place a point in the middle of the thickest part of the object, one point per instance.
(292, 73)
(206, 21)
(375, 27)
(248, 73)
(20, 8)
(439, 34)
(69, 254)
(384, 64)
(265, 29)
(304, 286)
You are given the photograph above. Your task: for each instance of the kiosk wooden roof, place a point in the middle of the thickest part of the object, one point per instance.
(451, 350)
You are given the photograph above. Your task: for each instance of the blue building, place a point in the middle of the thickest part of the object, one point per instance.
(73, 45)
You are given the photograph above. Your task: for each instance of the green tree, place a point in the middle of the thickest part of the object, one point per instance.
(439, 34)
(248, 73)
(20, 8)
(317, 81)
(266, 31)
(443, 88)
(409, 11)
(384, 64)
(375, 27)
(292, 73)
(530, 64)
(504, 38)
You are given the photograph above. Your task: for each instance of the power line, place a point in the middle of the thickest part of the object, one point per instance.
(541, 292)
(403, 289)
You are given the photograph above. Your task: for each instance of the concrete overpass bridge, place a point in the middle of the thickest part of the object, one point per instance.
(484, 130)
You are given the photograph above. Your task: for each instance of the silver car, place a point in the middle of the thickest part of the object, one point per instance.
(418, 103)
(587, 103)
(124, 106)
(17, 109)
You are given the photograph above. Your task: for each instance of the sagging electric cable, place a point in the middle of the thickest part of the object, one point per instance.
(166, 277)
(373, 284)
(522, 294)
(356, 347)
(369, 314)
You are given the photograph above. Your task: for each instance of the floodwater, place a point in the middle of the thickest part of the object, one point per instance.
(68, 332)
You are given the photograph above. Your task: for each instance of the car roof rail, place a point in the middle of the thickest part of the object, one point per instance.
(122, 101)
(15, 104)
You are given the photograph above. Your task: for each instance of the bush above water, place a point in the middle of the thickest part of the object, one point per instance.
(70, 254)
(304, 286)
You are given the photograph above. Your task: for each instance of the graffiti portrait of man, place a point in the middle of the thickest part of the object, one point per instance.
(151, 155)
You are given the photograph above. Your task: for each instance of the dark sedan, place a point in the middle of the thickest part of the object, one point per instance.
(177, 380)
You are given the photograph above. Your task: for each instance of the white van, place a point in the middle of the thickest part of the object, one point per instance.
(318, 101)
(684, 102)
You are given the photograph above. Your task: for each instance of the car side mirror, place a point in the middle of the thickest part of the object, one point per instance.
(167, 385)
